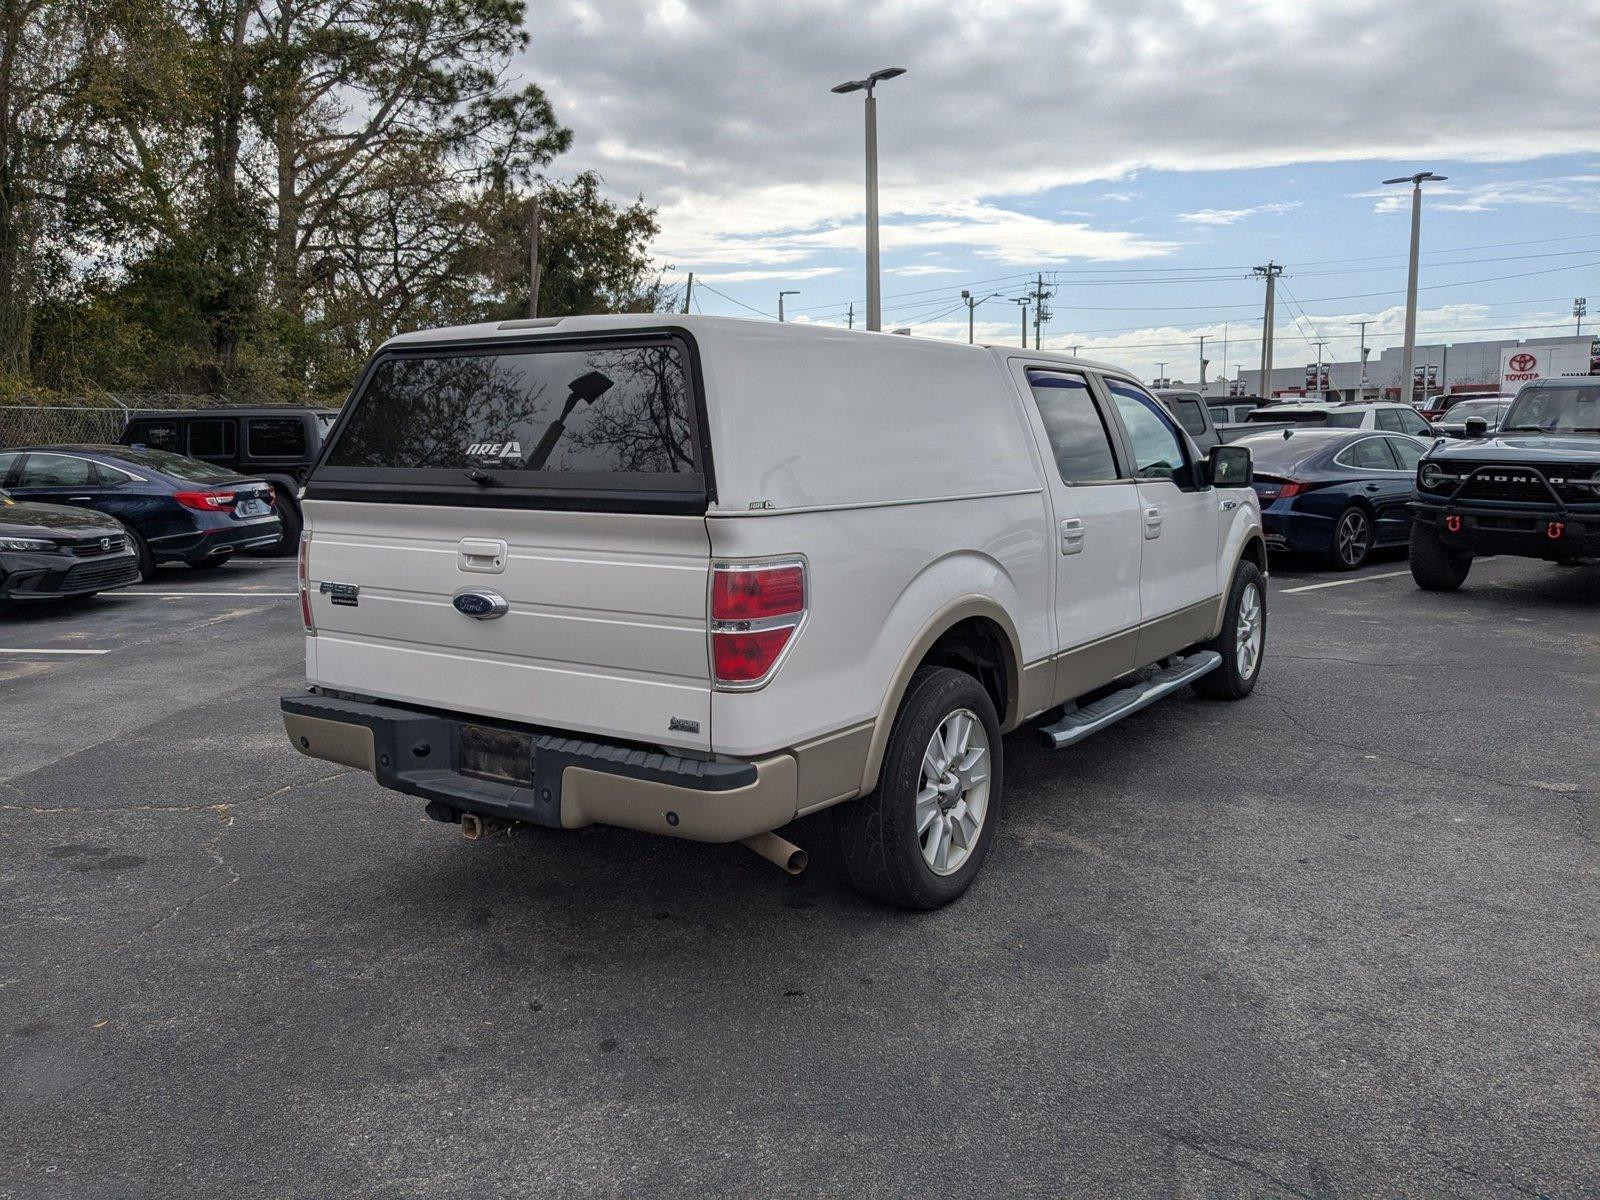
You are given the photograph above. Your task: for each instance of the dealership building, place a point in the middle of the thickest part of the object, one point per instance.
(1492, 366)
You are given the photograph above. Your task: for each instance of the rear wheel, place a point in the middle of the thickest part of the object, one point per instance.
(212, 563)
(920, 838)
(1352, 538)
(289, 514)
(1242, 642)
(1435, 566)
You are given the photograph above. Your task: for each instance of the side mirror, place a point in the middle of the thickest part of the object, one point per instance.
(1229, 466)
(1476, 427)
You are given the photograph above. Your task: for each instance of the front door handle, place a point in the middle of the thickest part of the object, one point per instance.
(1371, 487)
(1152, 523)
(79, 499)
(1072, 535)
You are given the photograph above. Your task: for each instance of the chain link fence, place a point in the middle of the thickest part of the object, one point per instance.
(95, 421)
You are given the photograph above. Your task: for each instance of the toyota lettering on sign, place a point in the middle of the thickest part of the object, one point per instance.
(1518, 365)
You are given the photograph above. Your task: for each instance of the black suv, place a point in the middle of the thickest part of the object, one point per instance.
(1532, 490)
(277, 444)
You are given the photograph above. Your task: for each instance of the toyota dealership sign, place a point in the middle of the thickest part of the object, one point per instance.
(1519, 364)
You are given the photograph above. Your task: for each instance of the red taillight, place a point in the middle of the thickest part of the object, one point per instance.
(305, 585)
(1291, 488)
(755, 593)
(205, 501)
(756, 609)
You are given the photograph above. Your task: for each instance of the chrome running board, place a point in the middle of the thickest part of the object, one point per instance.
(1076, 723)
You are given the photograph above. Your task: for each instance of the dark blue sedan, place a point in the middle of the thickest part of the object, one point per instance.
(175, 509)
(1337, 493)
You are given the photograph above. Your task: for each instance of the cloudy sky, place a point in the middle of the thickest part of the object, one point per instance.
(1142, 154)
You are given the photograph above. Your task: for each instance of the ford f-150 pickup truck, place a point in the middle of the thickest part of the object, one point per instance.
(700, 576)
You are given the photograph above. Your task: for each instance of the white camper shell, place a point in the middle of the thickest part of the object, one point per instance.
(682, 574)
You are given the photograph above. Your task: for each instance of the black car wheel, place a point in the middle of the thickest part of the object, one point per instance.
(147, 560)
(289, 514)
(1435, 566)
(210, 564)
(1352, 538)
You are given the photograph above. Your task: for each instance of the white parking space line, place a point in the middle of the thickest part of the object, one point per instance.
(182, 595)
(29, 650)
(1313, 587)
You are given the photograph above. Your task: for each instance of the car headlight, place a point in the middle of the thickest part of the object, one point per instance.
(1431, 476)
(14, 543)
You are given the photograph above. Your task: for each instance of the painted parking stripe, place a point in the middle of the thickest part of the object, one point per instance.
(181, 595)
(1313, 587)
(31, 650)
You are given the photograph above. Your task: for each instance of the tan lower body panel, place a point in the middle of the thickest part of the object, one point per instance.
(595, 797)
(1177, 631)
(337, 741)
(1088, 667)
(830, 767)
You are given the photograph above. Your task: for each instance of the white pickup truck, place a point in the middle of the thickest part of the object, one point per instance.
(701, 576)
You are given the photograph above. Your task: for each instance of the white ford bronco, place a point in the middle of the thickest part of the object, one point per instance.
(701, 576)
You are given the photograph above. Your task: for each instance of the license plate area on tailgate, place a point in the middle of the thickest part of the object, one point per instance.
(502, 755)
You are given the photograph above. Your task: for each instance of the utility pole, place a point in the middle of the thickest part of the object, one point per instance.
(1202, 341)
(1025, 301)
(1409, 357)
(1224, 352)
(688, 290)
(1270, 273)
(1580, 309)
(1361, 393)
(533, 256)
(874, 285)
(850, 317)
(1041, 314)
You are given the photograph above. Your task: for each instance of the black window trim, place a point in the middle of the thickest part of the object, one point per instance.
(690, 492)
(249, 451)
(1120, 459)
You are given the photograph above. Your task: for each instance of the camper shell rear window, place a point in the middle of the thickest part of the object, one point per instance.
(610, 422)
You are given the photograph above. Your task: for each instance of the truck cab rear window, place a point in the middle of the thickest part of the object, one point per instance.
(545, 417)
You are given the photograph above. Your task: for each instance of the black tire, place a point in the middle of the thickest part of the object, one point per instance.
(147, 560)
(877, 834)
(212, 563)
(288, 544)
(1434, 566)
(1230, 681)
(1348, 555)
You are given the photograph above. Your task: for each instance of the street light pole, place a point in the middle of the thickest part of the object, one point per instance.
(972, 303)
(1202, 341)
(1361, 394)
(1409, 356)
(781, 295)
(1319, 346)
(1580, 309)
(1026, 302)
(874, 287)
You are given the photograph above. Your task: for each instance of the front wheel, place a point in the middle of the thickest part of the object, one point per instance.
(919, 839)
(1434, 566)
(1243, 640)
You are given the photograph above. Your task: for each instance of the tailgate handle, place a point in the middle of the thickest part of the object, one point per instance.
(487, 556)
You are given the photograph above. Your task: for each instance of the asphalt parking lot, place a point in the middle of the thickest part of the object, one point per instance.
(1337, 940)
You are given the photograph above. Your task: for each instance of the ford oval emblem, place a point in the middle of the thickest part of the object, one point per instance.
(481, 606)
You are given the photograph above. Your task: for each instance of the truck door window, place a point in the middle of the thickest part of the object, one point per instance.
(1078, 436)
(1190, 416)
(1157, 452)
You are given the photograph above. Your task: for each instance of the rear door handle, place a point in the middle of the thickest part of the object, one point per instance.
(1152, 523)
(1072, 535)
(1371, 487)
(79, 499)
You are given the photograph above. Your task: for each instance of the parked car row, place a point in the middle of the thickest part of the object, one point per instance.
(129, 509)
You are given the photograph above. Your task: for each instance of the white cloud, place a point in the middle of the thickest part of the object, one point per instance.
(1580, 193)
(923, 269)
(752, 275)
(718, 111)
(1232, 216)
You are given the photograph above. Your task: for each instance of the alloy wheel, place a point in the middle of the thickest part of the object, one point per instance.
(1250, 632)
(953, 795)
(1350, 539)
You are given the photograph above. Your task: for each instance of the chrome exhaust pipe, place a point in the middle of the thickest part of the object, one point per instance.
(782, 854)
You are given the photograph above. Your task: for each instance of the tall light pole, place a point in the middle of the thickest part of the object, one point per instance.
(1025, 301)
(972, 303)
(781, 295)
(1319, 346)
(1580, 309)
(1161, 374)
(1416, 181)
(1202, 342)
(1270, 273)
(1361, 393)
(874, 288)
